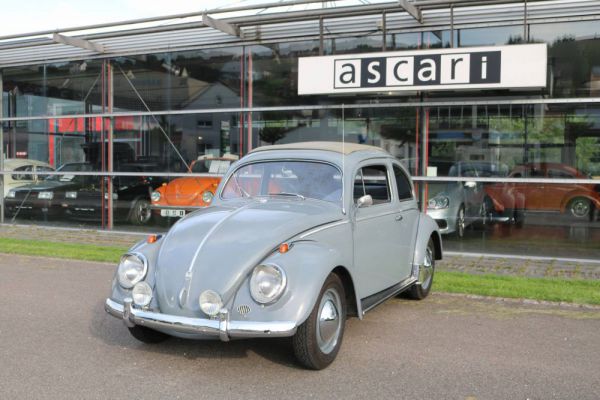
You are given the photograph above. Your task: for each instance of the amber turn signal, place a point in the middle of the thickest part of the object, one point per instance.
(284, 248)
(153, 239)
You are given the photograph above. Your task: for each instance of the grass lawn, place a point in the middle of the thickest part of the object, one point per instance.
(548, 289)
(75, 251)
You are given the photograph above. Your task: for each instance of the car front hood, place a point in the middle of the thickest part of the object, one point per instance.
(44, 186)
(188, 191)
(217, 248)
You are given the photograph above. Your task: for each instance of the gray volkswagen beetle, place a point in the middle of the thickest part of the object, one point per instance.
(298, 238)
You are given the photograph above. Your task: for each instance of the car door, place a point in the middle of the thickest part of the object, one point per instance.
(406, 221)
(376, 250)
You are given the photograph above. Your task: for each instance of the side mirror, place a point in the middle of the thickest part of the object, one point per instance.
(364, 201)
(470, 184)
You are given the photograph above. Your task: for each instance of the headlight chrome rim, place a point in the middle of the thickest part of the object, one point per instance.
(254, 290)
(131, 283)
(142, 294)
(155, 196)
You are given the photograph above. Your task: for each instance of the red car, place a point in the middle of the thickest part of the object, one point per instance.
(507, 201)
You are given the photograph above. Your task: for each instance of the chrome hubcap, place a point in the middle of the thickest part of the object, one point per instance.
(426, 271)
(329, 324)
(580, 208)
(144, 213)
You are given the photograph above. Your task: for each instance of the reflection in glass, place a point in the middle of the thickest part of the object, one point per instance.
(299, 179)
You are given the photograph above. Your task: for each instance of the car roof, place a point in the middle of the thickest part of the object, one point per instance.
(337, 147)
(12, 163)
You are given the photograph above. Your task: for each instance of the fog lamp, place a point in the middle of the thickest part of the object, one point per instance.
(210, 302)
(142, 294)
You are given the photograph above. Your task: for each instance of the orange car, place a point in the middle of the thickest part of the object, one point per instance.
(182, 195)
(511, 199)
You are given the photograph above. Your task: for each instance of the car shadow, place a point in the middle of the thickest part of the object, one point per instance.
(113, 332)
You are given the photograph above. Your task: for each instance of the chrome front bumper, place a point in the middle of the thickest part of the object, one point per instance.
(220, 327)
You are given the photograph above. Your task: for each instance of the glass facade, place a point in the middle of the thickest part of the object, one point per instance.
(127, 131)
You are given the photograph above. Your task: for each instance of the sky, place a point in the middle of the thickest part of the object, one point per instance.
(37, 15)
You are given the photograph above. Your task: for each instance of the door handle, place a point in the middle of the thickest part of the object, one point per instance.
(399, 217)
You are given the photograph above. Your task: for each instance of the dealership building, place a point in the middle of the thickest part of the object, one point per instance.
(493, 107)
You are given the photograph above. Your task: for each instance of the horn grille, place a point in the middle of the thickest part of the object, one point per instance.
(243, 309)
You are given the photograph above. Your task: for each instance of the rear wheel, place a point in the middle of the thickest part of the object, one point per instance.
(421, 289)
(317, 341)
(580, 208)
(146, 335)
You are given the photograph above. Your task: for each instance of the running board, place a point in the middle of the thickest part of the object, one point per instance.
(368, 303)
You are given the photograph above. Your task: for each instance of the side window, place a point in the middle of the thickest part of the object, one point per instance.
(23, 173)
(555, 173)
(403, 184)
(40, 172)
(373, 180)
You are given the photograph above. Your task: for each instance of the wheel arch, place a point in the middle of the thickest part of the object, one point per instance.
(437, 244)
(352, 301)
(572, 196)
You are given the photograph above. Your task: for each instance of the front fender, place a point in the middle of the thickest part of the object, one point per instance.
(427, 229)
(150, 251)
(307, 265)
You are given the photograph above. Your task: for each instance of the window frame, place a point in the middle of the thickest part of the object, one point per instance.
(408, 180)
(368, 164)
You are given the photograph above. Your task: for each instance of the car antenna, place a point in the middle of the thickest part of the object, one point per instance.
(343, 160)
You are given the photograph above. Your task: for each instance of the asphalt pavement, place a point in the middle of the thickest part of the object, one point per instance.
(56, 342)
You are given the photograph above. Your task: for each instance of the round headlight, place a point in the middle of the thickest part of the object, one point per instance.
(207, 196)
(132, 269)
(210, 302)
(155, 196)
(142, 294)
(267, 283)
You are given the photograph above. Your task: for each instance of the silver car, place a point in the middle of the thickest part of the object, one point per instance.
(298, 238)
(456, 205)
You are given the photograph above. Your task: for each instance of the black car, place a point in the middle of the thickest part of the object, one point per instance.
(131, 196)
(45, 198)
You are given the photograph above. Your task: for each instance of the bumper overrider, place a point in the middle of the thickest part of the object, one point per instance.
(220, 327)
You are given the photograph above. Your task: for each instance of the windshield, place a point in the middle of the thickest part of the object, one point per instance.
(73, 167)
(308, 179)
(211, 166)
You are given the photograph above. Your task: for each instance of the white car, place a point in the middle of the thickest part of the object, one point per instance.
(24, 172)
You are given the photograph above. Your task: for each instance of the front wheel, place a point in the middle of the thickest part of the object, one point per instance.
(460, 222)
(421, 289)
(141, 213)
(318, 340)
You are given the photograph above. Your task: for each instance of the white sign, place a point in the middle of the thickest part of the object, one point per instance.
(516, 66)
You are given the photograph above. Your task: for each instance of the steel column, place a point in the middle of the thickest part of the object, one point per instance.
(1, 149)
(110, 147)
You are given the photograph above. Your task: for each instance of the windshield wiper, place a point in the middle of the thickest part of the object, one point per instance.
(287, 194)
